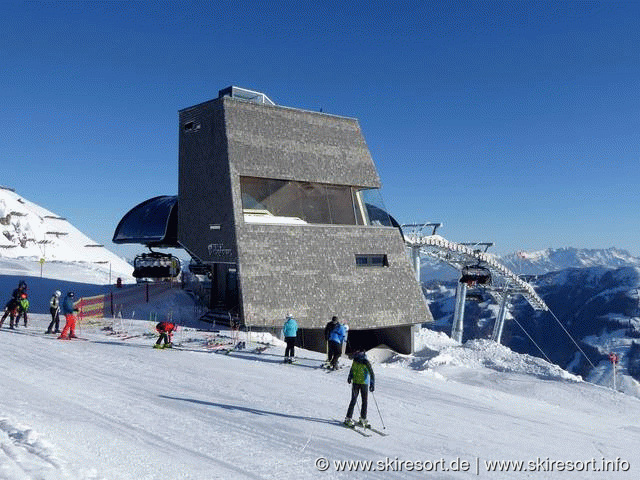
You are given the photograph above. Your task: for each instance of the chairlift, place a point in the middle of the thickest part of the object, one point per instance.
(475, 275)
(156, 265)
(475, 297)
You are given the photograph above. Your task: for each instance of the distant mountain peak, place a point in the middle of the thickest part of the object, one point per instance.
(539, 262)
(554, 259)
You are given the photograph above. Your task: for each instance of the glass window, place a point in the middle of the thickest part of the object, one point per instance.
(374, 208)
(341, 205)
(288, 201)
(314, 203)
(254, 193)
(372, 260)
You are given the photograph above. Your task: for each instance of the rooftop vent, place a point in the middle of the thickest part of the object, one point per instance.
(244, 94)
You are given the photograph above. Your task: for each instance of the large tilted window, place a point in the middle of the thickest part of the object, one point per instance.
(293, 202)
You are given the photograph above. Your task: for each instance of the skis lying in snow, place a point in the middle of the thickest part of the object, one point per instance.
(259, 349)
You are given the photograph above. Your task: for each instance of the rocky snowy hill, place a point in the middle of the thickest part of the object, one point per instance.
(32, 237)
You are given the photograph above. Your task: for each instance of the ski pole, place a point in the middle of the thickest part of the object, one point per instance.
(376, 402)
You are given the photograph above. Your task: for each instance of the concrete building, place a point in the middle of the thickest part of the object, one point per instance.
(283, 205)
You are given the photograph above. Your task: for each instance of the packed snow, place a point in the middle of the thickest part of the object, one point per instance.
(112, 407)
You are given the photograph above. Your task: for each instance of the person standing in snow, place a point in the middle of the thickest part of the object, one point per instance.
(54, 309)
(22, 288)
(336, 338)
(23, 308)
(68, 309)
(327, 331)
(165, 329)
(10, 310)
(290, 331)
(362, 381)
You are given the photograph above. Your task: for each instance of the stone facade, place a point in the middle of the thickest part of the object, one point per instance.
(308, 270)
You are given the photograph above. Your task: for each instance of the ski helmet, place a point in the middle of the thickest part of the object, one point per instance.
(57, 293)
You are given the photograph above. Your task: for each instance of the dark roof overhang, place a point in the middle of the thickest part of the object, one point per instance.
(153, 223)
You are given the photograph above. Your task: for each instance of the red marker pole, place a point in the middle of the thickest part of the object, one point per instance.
(614, 362)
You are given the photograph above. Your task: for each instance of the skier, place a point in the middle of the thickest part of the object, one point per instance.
(54, 309)
(336, 339)
(327, 331)
(360, 376)
(290, 330)
(68, 309)
(23, 308)
(165, 329)
(10, 310)
(22, 288)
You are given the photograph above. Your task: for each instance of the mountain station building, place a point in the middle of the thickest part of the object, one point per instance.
(281, 207)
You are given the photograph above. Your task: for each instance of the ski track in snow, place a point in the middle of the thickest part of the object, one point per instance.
(23, 455)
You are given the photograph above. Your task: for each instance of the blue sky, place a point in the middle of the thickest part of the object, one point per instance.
(513, 122)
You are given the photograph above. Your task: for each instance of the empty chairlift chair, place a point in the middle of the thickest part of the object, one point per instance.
(156, 265)
(475, 275)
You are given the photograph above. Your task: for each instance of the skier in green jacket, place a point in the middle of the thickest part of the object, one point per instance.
(23, 308)
(363, 381)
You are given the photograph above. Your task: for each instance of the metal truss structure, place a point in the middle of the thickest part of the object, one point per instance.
(421, 239)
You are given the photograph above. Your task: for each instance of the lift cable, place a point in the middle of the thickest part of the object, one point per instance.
(532, 340)
(572, 339)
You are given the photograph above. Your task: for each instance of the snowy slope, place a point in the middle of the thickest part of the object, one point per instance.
(111, 407)
(29, 233)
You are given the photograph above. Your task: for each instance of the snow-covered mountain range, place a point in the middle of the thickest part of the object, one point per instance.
(594, 299)
(32, 238)
(541, 262)
(552, 260)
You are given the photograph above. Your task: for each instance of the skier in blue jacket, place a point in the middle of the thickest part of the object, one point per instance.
(337, 337)
(68, 309)
(290, 330)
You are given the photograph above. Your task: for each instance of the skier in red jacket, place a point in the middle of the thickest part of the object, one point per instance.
(165, 329)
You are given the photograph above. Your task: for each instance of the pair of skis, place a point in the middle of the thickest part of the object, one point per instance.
(326, 366)
(364, 431)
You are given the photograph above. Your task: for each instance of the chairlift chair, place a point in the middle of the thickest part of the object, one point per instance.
(475, 275)
(156, 265)
(475, 297)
